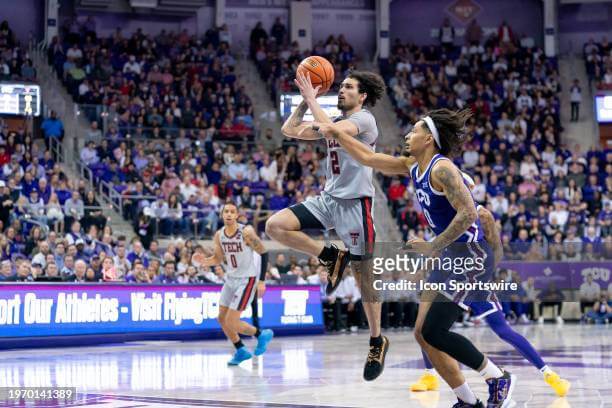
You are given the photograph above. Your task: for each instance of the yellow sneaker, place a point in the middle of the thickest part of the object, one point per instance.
(557, 383)
(427, 382)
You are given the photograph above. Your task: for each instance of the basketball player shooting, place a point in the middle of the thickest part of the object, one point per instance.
(451, 213)
(235, 245)
(346, 202)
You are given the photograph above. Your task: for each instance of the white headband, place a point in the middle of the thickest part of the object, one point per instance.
(433, 129)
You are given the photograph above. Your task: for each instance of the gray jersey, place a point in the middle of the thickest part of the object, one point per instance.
(346, 177)
(239, 257)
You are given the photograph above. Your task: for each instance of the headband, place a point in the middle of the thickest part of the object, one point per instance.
(433, 129)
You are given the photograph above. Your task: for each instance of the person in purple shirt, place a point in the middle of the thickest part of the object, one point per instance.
(27, 184)
(278, 201)
(138, 252)
(168, 275)
(44, 190)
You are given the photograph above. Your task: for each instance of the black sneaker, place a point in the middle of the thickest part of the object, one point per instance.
(500, 391)
(335, 269)
(375, 363)
(463, 404)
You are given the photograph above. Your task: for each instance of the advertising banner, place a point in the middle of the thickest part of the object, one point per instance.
(33, 309)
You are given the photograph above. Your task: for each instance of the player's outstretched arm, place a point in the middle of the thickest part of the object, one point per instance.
(252, 240)
(216, 258)
(448, 180)
(379, 161)
(491, 233)
(296, 128)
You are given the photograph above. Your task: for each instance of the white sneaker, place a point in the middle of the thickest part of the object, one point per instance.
(541, 320)
(354, 329)
(523, 319)
(559, 320)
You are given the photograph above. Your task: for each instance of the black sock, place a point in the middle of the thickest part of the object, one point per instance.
(238, 344)
(328, 254)
(257, 332)
(376, 341)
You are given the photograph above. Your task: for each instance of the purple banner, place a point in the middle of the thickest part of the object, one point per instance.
(566, 275)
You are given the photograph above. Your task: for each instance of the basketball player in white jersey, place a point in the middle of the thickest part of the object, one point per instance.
(236, 245)
(346, 202)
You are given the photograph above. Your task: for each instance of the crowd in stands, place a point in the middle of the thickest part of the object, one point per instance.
(176, 187)
(277, 59)
(153, 86)
(15, 62)
(550, 202)
(598, 60)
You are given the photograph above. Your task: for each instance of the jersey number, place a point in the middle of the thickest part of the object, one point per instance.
(233, 261)
(335, 162)
(428, 218)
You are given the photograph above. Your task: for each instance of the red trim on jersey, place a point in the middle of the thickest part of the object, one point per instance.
(246, 294)
(368, 227)
(235, 233)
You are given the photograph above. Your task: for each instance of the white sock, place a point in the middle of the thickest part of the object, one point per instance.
(491, 371)
(545, 370)
(465, 394)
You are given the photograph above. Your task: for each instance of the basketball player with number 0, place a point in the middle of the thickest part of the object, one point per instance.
(236, 245)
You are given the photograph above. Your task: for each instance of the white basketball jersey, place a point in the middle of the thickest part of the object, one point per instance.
(239, 258)
(345, 176)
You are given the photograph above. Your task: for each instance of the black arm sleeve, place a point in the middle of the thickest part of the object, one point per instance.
(264, 266)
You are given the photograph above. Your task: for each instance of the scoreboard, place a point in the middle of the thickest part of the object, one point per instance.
(19, 99)
(289, 102)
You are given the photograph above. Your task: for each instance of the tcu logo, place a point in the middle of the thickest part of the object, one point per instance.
(354, 237)
(422, 196)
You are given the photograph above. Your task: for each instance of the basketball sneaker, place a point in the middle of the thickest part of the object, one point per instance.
(427, 382)
(375, 363)
(462, 404)
(557, 383)
(500, 391)
(335, 269)
(262, 341)
(242, 354)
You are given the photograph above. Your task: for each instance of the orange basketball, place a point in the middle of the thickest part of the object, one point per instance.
(321, 72)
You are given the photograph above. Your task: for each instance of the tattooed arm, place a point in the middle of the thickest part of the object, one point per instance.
(252, 240)
(491, 233)
(446, 178)
(296, 128)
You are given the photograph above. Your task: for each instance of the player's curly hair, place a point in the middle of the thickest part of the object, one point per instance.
(369, 83)
(451, 129)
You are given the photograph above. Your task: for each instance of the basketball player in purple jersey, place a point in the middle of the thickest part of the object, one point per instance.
(491, 311)
(451, 213)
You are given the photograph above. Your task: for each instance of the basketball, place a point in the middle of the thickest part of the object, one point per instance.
(321, 72)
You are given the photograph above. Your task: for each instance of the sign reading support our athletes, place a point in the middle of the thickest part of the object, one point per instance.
(34, 309)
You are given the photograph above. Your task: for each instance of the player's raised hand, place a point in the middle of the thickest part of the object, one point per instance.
(308, 92)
